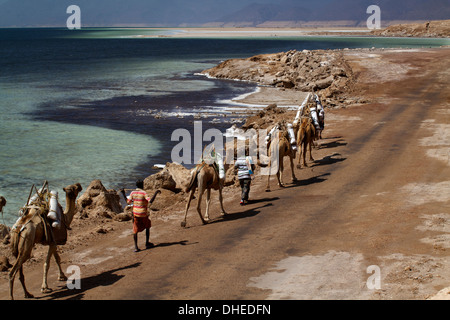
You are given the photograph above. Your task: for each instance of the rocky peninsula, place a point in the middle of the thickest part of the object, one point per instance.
(429, 29)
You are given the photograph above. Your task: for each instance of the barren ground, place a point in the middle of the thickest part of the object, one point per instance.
(378, 193)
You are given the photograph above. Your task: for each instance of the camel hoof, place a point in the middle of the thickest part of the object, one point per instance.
(29, 296)
(299, 166)
(267, 190)
(294, 179)
(62, 278)
(223, 213)
(46, 290)
(183, 224)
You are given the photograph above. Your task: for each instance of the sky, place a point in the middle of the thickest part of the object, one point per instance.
(198, 12)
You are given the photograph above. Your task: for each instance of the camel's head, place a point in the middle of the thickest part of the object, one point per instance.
(2, 202)
(73, 190)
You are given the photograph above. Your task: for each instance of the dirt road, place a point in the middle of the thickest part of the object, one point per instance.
(378, 194)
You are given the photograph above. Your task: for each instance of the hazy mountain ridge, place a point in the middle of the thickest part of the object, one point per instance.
(174, 13)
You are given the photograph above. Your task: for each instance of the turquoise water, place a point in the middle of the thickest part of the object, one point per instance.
(77, 105)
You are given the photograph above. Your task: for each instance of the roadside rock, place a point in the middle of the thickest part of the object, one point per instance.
(266, 118)
(98, 201)
(4, 232)
(444, 294)
(160, 180)
(173, 177)
(4, 264)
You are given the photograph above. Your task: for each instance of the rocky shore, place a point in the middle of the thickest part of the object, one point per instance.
(430, 29)
(325, 72)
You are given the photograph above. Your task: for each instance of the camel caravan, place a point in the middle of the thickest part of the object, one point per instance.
(284, 139)
(43, 221)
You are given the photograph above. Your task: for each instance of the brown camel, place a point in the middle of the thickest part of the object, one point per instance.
(305, 136)
(31, 229)
(205, 177)
(2, 203)
(281, 140)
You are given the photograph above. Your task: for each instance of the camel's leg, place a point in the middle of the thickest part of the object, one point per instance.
(44, 287)
(310, 154)
(300, 146)
(22, 281)
(208, 202)
(305, 149)
(280, 173)
(268, 177)
(12, 274)
(201, 189)
(291, 159)
(221, 201)
(62, 276)
(191, 195)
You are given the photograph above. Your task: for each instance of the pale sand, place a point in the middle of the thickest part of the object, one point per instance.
(269, 95)
(255, 32)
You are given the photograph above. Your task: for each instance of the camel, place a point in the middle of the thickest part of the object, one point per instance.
(305, 136)
(2, 203)
(205, 177)
(31, 229)
(284, 150)
(320, 116)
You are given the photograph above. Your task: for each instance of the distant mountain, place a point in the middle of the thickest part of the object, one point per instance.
(117, 12)
(352, 12)
(174, 13)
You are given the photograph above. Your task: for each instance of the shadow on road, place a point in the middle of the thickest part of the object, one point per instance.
(103, 279)
(328, 160)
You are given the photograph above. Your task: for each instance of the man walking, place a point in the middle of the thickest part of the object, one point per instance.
(141, 221)
(245, 168)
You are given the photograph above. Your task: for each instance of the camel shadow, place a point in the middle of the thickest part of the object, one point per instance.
(309, 181)
(328, 160)
(333, 144)
(103, 279)
(168, 244)
(250, 212)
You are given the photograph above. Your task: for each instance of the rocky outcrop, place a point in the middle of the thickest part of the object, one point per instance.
(98, 201)
(4, 231)
(323, 71)
(431, 29)
(4, 264)
(173, 177)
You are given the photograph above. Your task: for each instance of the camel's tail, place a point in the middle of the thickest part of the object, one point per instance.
(263, 165)
(154, 196)
(15, 243)
(301, 135)
(193, 181)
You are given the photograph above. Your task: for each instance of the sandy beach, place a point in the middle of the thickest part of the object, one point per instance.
(376, 195)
